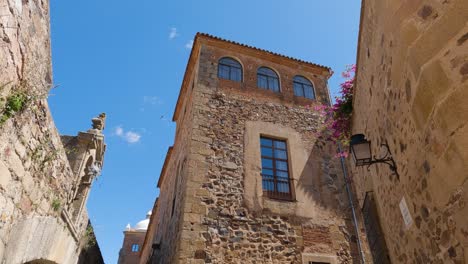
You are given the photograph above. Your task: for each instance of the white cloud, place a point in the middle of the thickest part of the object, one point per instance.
(152, 100)
(189, 44)
(173, 33)
(119, 131)
(129, 136)
(132, 137)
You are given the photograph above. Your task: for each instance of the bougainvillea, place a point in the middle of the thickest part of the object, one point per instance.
(336, 119)
(343, 108)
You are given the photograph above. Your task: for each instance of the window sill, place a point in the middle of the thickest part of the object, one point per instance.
(278, 199)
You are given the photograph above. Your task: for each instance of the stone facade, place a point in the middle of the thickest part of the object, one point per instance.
(411, 91)
(212, 208)
(44, 182)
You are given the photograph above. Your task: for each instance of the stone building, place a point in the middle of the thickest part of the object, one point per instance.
(45, 178)
(249, 179)
(133, 241)
(411, 90)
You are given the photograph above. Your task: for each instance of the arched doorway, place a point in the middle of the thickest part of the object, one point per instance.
(40, 261)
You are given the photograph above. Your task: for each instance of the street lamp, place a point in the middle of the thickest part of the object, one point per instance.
(362, 154)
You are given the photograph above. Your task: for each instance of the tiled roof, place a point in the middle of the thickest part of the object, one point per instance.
(199, 34)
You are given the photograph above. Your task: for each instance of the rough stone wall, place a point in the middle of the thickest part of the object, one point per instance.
(411, 91)
(233, 232)
(217, 225)
(35, 175)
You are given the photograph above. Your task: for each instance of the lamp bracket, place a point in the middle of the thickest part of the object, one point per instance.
(387, 159)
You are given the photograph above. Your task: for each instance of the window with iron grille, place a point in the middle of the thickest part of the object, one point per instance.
(373, 230)
(230, 69)
(267, 79)
(303, 87)
(276, 182)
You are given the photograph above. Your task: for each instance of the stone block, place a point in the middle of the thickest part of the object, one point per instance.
(405, 10)
(437, 36)
(198, 244)
(20, 149)
(447, 175)
(202, 139)
(28, 183)
(189, 235)
(2, 249)
(5, 175)
(432, 86)
(202, 192)
(198, 147)
(409, 33)
(15, 164)
(198, 208)
(44, 206)
(452, 112)
(192, 217)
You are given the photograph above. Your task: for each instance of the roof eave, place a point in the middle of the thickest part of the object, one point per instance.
(164, 168)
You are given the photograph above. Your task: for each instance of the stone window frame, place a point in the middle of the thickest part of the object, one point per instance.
(254, 199)
(320, 258)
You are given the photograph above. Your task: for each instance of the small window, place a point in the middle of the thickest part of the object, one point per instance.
(303, 87)
(135, 247)
(276, 182)
(230, 69)
(267, 79)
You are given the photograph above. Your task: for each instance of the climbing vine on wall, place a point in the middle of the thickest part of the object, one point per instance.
(336, 119)
(342, 109)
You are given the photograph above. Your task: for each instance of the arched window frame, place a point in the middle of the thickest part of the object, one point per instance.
(270, 79)
(232, 67)
(301, 86)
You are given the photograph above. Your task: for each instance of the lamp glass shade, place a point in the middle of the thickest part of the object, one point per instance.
(360, 149)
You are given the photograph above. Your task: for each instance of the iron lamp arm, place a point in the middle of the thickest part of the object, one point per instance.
(386, 159)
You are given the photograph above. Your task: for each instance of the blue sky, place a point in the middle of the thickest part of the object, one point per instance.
(127, 58)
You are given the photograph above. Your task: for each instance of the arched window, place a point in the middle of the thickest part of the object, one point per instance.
(230, 69)
(267, 79)
(303, 87)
